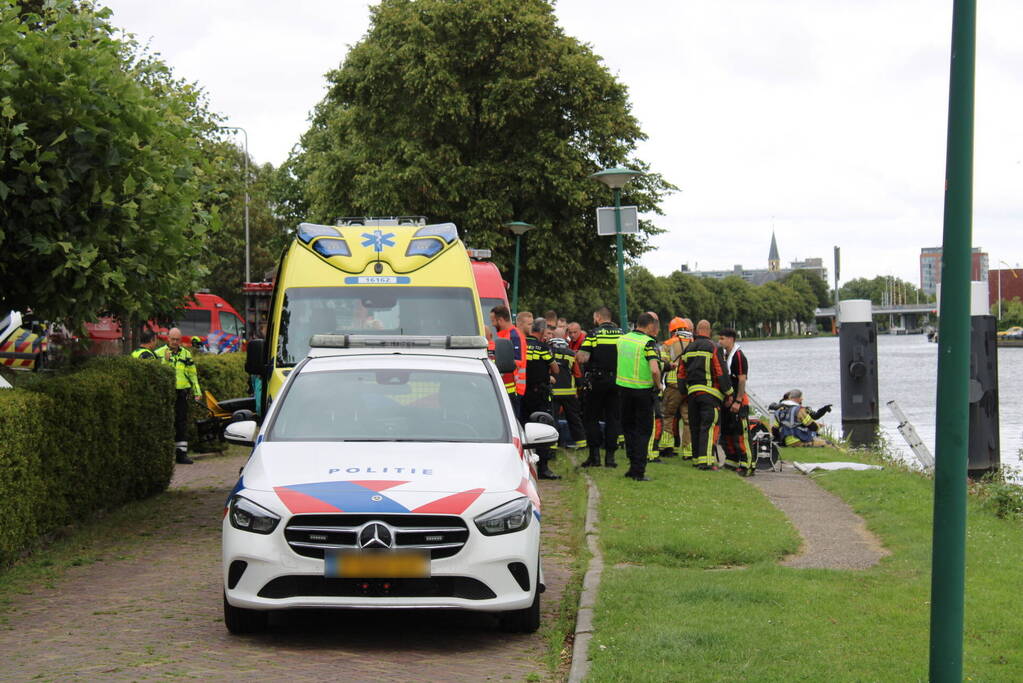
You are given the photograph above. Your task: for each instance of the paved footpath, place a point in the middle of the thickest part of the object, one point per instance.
(834, 537)
(151, 609)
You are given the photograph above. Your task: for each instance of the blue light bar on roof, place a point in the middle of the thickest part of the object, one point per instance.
(307, 232)
(445, 231)
(331, 246)
(424, 247)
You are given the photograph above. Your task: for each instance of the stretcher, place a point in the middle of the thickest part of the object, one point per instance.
(221, 414)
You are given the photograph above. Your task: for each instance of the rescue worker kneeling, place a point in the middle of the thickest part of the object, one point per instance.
(540, 368)
(798, 426)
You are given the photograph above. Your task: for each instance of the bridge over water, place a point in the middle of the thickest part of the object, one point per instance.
(908, 313)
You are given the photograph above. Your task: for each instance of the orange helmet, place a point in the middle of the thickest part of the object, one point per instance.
(675, 324)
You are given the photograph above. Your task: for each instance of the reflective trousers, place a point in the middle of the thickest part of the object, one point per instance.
(638, 424)
(676, 415)
(533, 401)
(602, 403)
(704, 413)
(181, 400)
(735, 438)
(573, 416)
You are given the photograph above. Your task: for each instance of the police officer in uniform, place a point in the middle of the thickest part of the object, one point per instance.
(186, 382)
(707, 385)
(147, 344)
(599, 353)
(565, 397)
(638, 378)
(540, 367)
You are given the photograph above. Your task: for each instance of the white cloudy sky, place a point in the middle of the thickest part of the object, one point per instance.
(824, 119)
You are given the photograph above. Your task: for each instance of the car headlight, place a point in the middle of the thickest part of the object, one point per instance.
(247, 516)
(504, 519)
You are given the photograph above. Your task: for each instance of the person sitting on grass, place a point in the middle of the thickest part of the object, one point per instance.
(797, 426)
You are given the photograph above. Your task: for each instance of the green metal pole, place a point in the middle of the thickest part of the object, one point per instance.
(622, 311)
(515, 280)
(948, 561)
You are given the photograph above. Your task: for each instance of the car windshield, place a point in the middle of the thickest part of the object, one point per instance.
(390, 405)
(486, 305)
(192, 322)
(371, 310)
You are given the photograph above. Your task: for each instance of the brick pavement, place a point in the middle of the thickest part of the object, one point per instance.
(150, 609)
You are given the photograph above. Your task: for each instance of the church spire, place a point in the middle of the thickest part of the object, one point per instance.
(773, 260)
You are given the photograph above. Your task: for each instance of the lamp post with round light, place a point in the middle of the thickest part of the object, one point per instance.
(246, 136)
(616, 178)
(520, 229)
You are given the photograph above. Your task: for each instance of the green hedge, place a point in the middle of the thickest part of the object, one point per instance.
(224, 377)
(82, 441)
(92, 438)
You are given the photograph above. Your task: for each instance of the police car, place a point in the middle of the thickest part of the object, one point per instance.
(389, 473)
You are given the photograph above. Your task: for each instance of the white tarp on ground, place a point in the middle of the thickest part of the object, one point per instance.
(808, 467)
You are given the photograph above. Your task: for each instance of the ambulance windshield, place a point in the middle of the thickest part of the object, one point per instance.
(371, 310)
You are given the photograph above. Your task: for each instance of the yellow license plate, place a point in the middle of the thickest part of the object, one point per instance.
(377, 565)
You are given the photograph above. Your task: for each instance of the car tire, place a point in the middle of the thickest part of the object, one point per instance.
(524, 620)
(239, 620)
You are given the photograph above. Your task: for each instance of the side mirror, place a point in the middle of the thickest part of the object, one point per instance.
(242, 433)
(504, 355)
(254, 357)
(539, 434)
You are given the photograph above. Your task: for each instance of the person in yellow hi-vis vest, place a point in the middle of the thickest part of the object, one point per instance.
(186, 382)
(638, 378)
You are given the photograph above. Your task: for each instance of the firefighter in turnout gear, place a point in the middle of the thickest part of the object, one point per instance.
(708, 386)
(186, 382)
(540, 368)
(735, 420)
(654, 447)
(674, 403)
(599, 354)
(565, 397)
(638, 378)
(147, 344)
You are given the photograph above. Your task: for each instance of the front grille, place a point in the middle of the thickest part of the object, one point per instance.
(320, 586)
(311, 535)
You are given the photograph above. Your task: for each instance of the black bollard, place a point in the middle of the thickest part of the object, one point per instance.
(985, 454)
(857, 343)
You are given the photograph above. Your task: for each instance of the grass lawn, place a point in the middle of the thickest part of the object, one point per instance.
(668, 612)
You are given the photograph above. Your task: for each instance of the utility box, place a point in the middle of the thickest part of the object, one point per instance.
(984, 453)
(857, 340)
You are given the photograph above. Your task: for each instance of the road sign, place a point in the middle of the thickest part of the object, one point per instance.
(606, 220)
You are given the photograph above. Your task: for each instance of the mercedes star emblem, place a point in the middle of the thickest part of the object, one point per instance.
(376, 536)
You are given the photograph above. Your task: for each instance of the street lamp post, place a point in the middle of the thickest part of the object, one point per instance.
(520, 229)
(616, 178)
(245, 134)
(1011, 270)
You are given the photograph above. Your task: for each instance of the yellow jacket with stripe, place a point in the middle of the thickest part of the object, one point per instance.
(185, 375)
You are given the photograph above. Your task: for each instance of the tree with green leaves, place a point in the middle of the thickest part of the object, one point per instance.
(224, 252)
(102, 169)
(478, 112)
(882, 288)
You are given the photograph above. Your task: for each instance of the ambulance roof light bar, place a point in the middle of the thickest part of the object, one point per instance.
(391, 341)
(479, 253)
(381, 221)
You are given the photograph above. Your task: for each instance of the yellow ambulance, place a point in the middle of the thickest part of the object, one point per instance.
(379, 276)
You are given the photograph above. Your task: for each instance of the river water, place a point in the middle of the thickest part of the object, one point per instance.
(907, 373)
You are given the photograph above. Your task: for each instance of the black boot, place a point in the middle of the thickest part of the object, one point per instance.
(609, 460)
(181, 457)
(593, 460)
